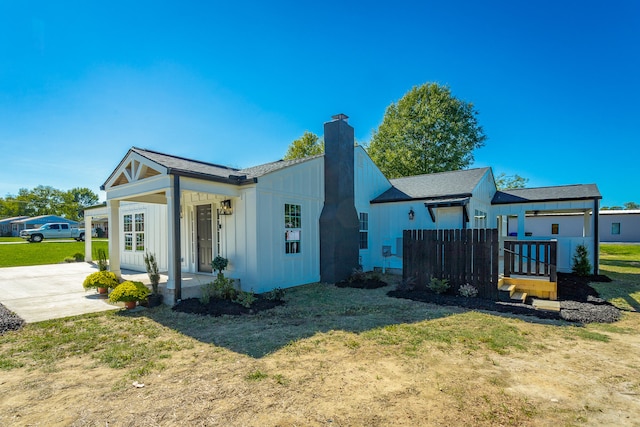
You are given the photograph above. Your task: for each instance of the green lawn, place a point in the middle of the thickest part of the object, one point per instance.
(47, 252)
(622, 264)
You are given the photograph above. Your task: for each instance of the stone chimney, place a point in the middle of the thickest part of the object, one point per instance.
(339, 223)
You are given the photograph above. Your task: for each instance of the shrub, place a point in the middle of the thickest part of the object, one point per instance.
(101, 259)
(152, 270)
(78, 257)
(375, 276)
(468, 291)
(276, 294)
(219, 263)
(357, 275)
(245, 299)
(129, 291)
(581, 264)
(69, 259)
(439, 286)
(221, 288)
(408, 284)
(101, 279)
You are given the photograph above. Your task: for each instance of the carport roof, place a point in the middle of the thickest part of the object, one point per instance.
(547, 194)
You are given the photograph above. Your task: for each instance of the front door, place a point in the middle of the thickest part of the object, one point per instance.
(205, 238)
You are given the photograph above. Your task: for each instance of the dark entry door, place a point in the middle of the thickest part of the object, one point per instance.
(205, 238)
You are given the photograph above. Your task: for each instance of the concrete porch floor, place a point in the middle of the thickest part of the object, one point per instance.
(191, 282)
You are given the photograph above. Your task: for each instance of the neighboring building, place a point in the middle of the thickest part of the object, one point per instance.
(37, 222)
(293, 222)
(7, 225)
(615, 225)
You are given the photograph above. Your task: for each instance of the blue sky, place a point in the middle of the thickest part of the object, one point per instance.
(555, 82)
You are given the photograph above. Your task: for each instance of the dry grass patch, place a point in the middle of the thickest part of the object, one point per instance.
(330, 356)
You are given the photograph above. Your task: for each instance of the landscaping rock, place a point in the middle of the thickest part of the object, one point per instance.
(9, 321)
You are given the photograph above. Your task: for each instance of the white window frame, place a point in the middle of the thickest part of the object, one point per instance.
(292, 228)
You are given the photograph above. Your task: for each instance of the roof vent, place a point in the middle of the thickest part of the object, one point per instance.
(341, 116)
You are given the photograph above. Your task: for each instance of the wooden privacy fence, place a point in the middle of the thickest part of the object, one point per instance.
(530, 258)
(460, 256)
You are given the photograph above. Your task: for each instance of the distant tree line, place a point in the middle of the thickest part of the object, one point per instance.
(627, 206)
(46, 200)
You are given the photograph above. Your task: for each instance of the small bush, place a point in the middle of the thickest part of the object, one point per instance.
(468, 291)
(79, 257)
(219, 263)
(101, 279)
(439, 286)
(408, 284)
(69, 259)
(221, 288)
(276, 294)
(357, 275)
(152, 270)
(375, 276)
(101, 259)
(581, 264)
(245, 299)
(129, 291)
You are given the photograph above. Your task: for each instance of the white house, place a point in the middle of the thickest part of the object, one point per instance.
(293, 222)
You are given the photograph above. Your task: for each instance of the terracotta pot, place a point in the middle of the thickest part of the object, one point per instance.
(129, 305)
(103, 291)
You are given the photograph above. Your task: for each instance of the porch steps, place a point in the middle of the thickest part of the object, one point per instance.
(509, 292)
(546, 305)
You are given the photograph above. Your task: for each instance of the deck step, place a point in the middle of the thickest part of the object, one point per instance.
(546, 305)
(507, 288)
(519, 296)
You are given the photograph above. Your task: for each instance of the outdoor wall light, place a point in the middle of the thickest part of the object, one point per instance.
(412, 214)
(225, 207)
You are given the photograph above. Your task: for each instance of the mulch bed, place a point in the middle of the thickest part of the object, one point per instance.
(362, 284)
(218, 307)
(579, 302)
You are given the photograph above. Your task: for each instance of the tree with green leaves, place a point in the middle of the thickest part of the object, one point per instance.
(307, 145)
(46, 200)
(631, 206)
(506, 182)
(429, 130)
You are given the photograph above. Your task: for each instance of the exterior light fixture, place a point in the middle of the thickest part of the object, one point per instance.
(225, 207)
(412, 214)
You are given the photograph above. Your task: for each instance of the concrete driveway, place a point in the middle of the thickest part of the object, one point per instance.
(43, 292)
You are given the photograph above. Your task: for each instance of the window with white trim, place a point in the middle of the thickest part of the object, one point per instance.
(479, 219)
(133, 228)
(292, 228)
(364, 230)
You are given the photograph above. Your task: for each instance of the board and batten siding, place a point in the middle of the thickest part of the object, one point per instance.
(269, 266)
(368, 184)
(155, 235)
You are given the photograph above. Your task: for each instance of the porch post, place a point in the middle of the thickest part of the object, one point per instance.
(595, 218)
(87, 238)
(521, 217)
(174, 282)
(113, 206)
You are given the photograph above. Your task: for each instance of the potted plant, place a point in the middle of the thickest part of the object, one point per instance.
(101, 280)
(155, 298)
(130, 293)
(219, 263)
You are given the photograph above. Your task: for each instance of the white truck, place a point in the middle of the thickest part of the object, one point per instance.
(53, 230)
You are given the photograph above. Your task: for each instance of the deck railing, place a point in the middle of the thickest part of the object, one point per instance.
(531, 258)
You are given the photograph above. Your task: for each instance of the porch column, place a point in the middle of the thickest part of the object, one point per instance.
(595, 218)
(87, 238)
(174, 281)
(521, 217)
(113, 206)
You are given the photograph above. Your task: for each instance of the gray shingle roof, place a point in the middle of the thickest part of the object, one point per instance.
(184, 166)
(547, 194)
(433, 186)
